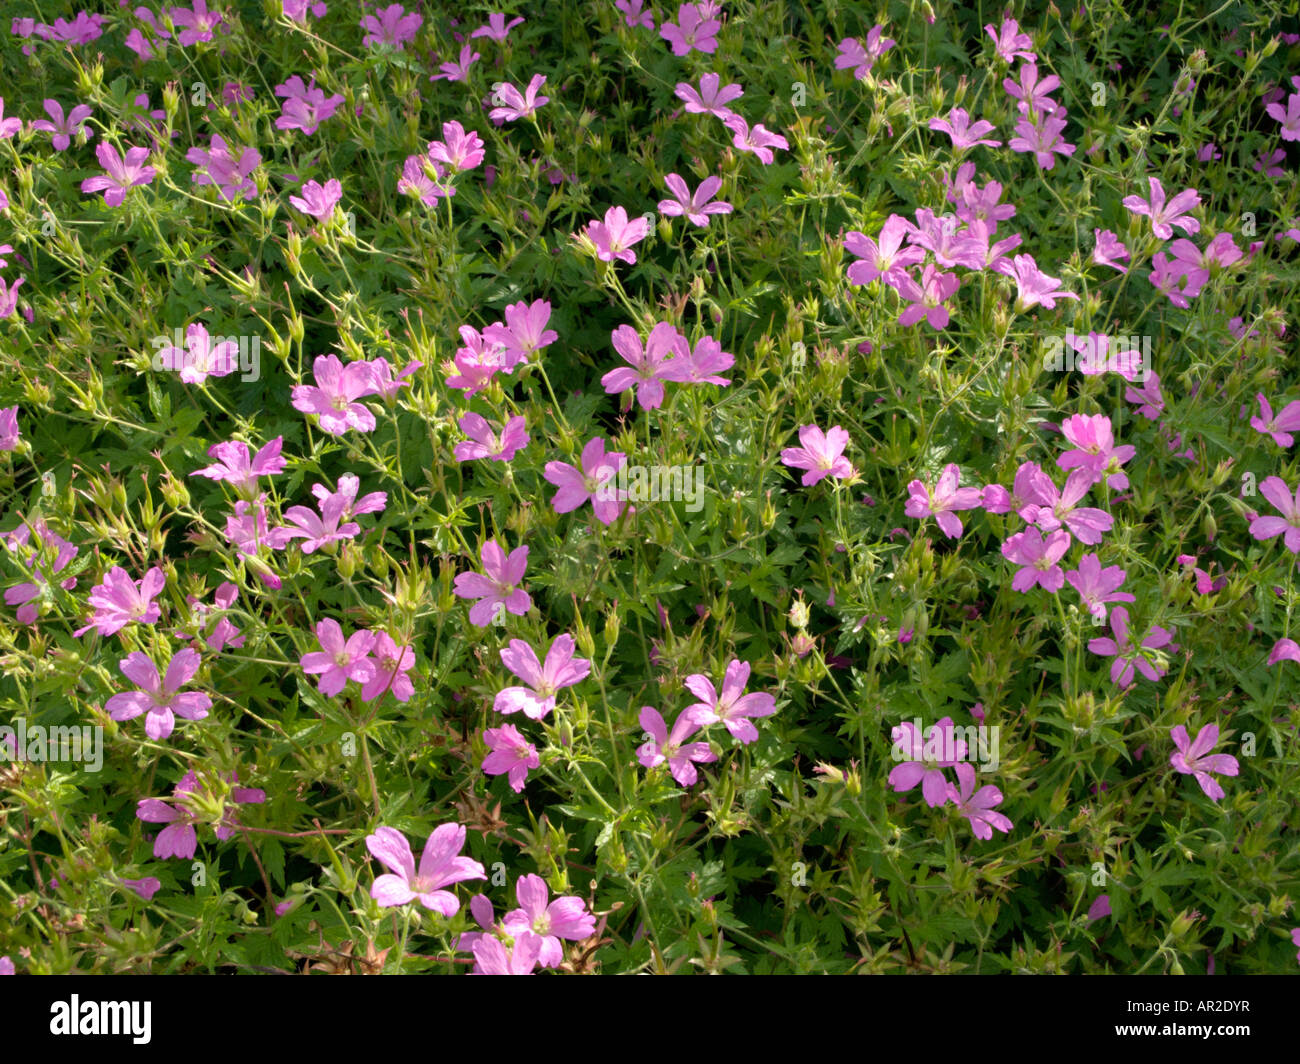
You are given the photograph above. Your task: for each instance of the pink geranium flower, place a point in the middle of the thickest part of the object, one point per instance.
(592, 482)
(515, 105)
(926, 298)
(943, 502)
(1274, 489)
(218, 166)
(496, 27)
(458, 70)
(665, 357)
(496, 587)
(392, 27)
(1044, 141)
(1108, 250)
(696, 205)
(43, 559)
(1128, 652)
(673, 749)
(1164, 216)
(202, 358)
(458, 150)
(1087, 523)
(962, 132)
(1038, 557)
(483, 442)
(923, 759)
(634, 14)
(9, 433)
(305, 106)
(161, 701)
(884, 257)
(1193, 758)
(391, 663)
(315, 531)
(179, 838)
(440, 866)
(615, 236)
(524, 332)
(477, 362)
(318, 200)
(759, 140)
(710, 100)
(123, 174)
(1097, 586)
(822, 454)
(733, 707)
(494, 957)
(1284, 650)
(1034, 288)
(1151, 402)
(1094, 448)
(510, 754)
(339, 661)
(1010, 43)
(541, 681)
(977, 806)
(234, 465)
(198, 21)
(64, 129)
(691, 32)
(1280, 427)
(119, 600)
(335, 394)
(565, 917)
(860, 57)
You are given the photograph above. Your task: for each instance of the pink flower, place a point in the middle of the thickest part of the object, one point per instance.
(145, 888)
(305, 106)
(299, 9)
(691, 32)
(565, 917)
(1151, 402)
(759, 140)
(315, 532)
(9, 299)
(9, 434)
(7, 966)
(218, 166)
(458, 70)
(338, 661)
(592, 482)
(541, 682)
(179, 839)
(318, 200)
(943, 501)
(1034, 288)
(822, 454)
(615, 236)
(1009, 43)
(335, 394)
(695, 206)
(386, 385)
(927, 298)
(493, 957)
(1193, 758)
(415, 180)
(123, 174)
(884, 257)
(233, 464)
(977, 806)
(733, 707)
(119, 600)
(391, 663)
(1097, 586)
(1289, 116)
(1087, 523)
(524, 332)
(706, 362)
(1044, 141)
(633, 14)
(962, 133)
(440, 866)
(1284, 650)
(496, 27)
(477, 362)
(458, 151)
(923, 762)
(496, 587)
(511, 754)
(1038, 557)
(1128, 652)
(1274, 489)
(710, 100)
(1166, 215)
(159, 701)
(1099, 908)
(1033, 95)
(393, 27)
(1280, 427)
(201, 358)
(862, 57)
(665, 357)
(515, 105)
(1094, 448)
(64, 128)
(484, 443)
(1108, 249)
(199, 22)
(49, 555)
(663, 747)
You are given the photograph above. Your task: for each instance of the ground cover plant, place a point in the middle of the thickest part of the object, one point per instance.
(742, 487)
